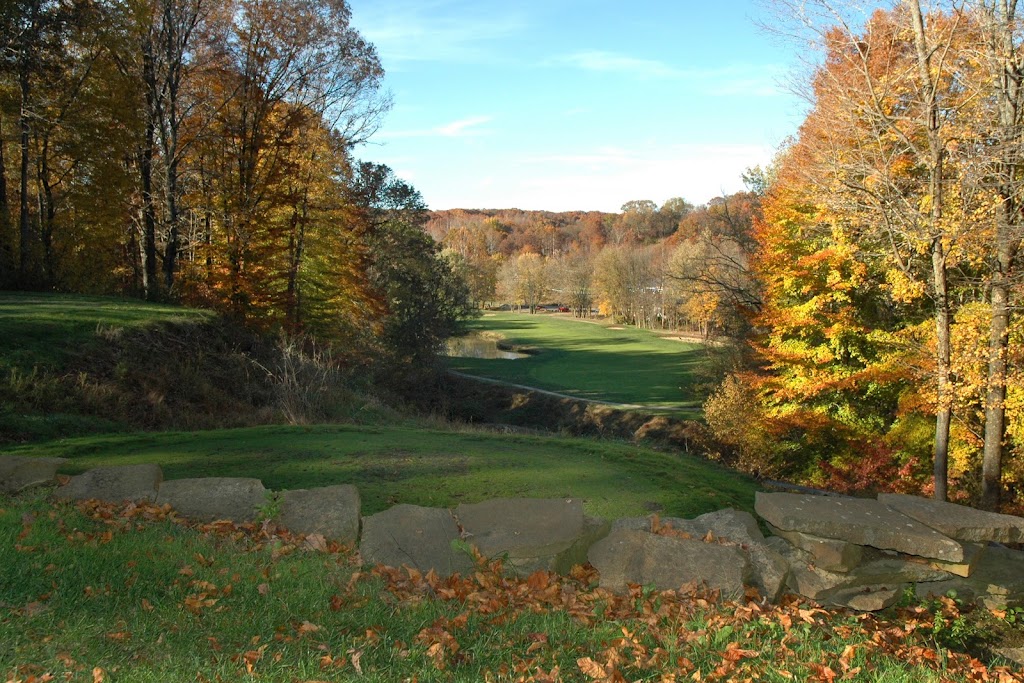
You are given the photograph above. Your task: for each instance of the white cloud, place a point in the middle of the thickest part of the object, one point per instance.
(432, 30)
(596, 60)
(751, 80)
(468, 127)
(604, 179)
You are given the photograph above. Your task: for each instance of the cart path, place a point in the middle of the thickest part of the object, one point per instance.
(610, 404)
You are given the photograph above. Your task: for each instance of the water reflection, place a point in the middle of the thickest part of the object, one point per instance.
(474, 346)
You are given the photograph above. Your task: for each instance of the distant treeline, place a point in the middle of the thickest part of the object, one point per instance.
(673, 266)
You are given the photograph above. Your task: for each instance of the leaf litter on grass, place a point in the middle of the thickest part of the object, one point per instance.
(492, 626)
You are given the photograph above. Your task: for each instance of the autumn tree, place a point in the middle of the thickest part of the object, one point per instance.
(885, 105)
(999, 150)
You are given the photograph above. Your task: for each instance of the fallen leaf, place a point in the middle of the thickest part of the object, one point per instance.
(354, 657)
(316, 542)
(307, 627)
(591, 668)
(98, 675)
(263, 588)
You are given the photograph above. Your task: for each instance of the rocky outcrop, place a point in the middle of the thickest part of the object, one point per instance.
(237, 499)
(840, 552)
(123, 482)
(331, 511)
(18, 473)
(856, 520)
(958, 521)
(420, 537)
(856, 553)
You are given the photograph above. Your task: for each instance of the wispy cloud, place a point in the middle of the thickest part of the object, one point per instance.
(462, 128)
(752, 80)
(610, 62)
(433, 30)
(605, 178)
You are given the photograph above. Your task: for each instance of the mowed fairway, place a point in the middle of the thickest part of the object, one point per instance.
(591, 361)
(391, 465)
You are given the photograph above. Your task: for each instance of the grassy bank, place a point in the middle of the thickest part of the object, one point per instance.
(587, 360)
(125, 594)
(393, 465)
(49, 330)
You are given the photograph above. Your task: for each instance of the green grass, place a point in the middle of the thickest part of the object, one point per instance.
(39, 329)
(391, 465)
(592, 361)
(124, 595)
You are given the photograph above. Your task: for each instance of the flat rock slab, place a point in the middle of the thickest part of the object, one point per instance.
(828, 553)
(114, 484)
(856, 520)
(332, 511)
(237, 499)
(530, 531)
(637, 557)
(18, 473)
(958, 521)
(419, 537)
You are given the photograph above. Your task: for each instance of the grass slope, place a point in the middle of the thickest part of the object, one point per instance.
(40, 329)
(591, 361)
(391, 465)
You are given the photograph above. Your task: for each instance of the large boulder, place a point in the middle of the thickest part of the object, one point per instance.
(420, 537)
(768, 568)
(532, 533)
(332, 511)
(114, 484)
(668, 563)
(18, 473)
(856, 520)
(237, 499)
(958, 521)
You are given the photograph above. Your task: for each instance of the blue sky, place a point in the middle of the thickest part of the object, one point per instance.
(577, 104)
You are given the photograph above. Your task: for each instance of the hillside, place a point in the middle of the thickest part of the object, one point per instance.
(126, 593)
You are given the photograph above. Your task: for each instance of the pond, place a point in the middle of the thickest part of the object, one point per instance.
(475, 346)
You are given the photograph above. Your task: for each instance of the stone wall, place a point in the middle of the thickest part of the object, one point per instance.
(839, 551)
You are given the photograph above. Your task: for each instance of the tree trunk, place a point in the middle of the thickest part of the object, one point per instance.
(940, 286)
(24, 226)
(47, 213)
(150, 283)
(995, 397)
(1006, 74)
(6, 236)
(944, 402)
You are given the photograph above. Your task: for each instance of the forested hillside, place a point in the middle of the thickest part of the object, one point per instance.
(202, 151)
(889, 346)
(673, 266)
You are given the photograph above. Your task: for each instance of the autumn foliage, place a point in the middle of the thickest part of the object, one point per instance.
(201, 151)
(887, 265)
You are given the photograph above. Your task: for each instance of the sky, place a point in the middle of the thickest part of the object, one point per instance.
(567, 105)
